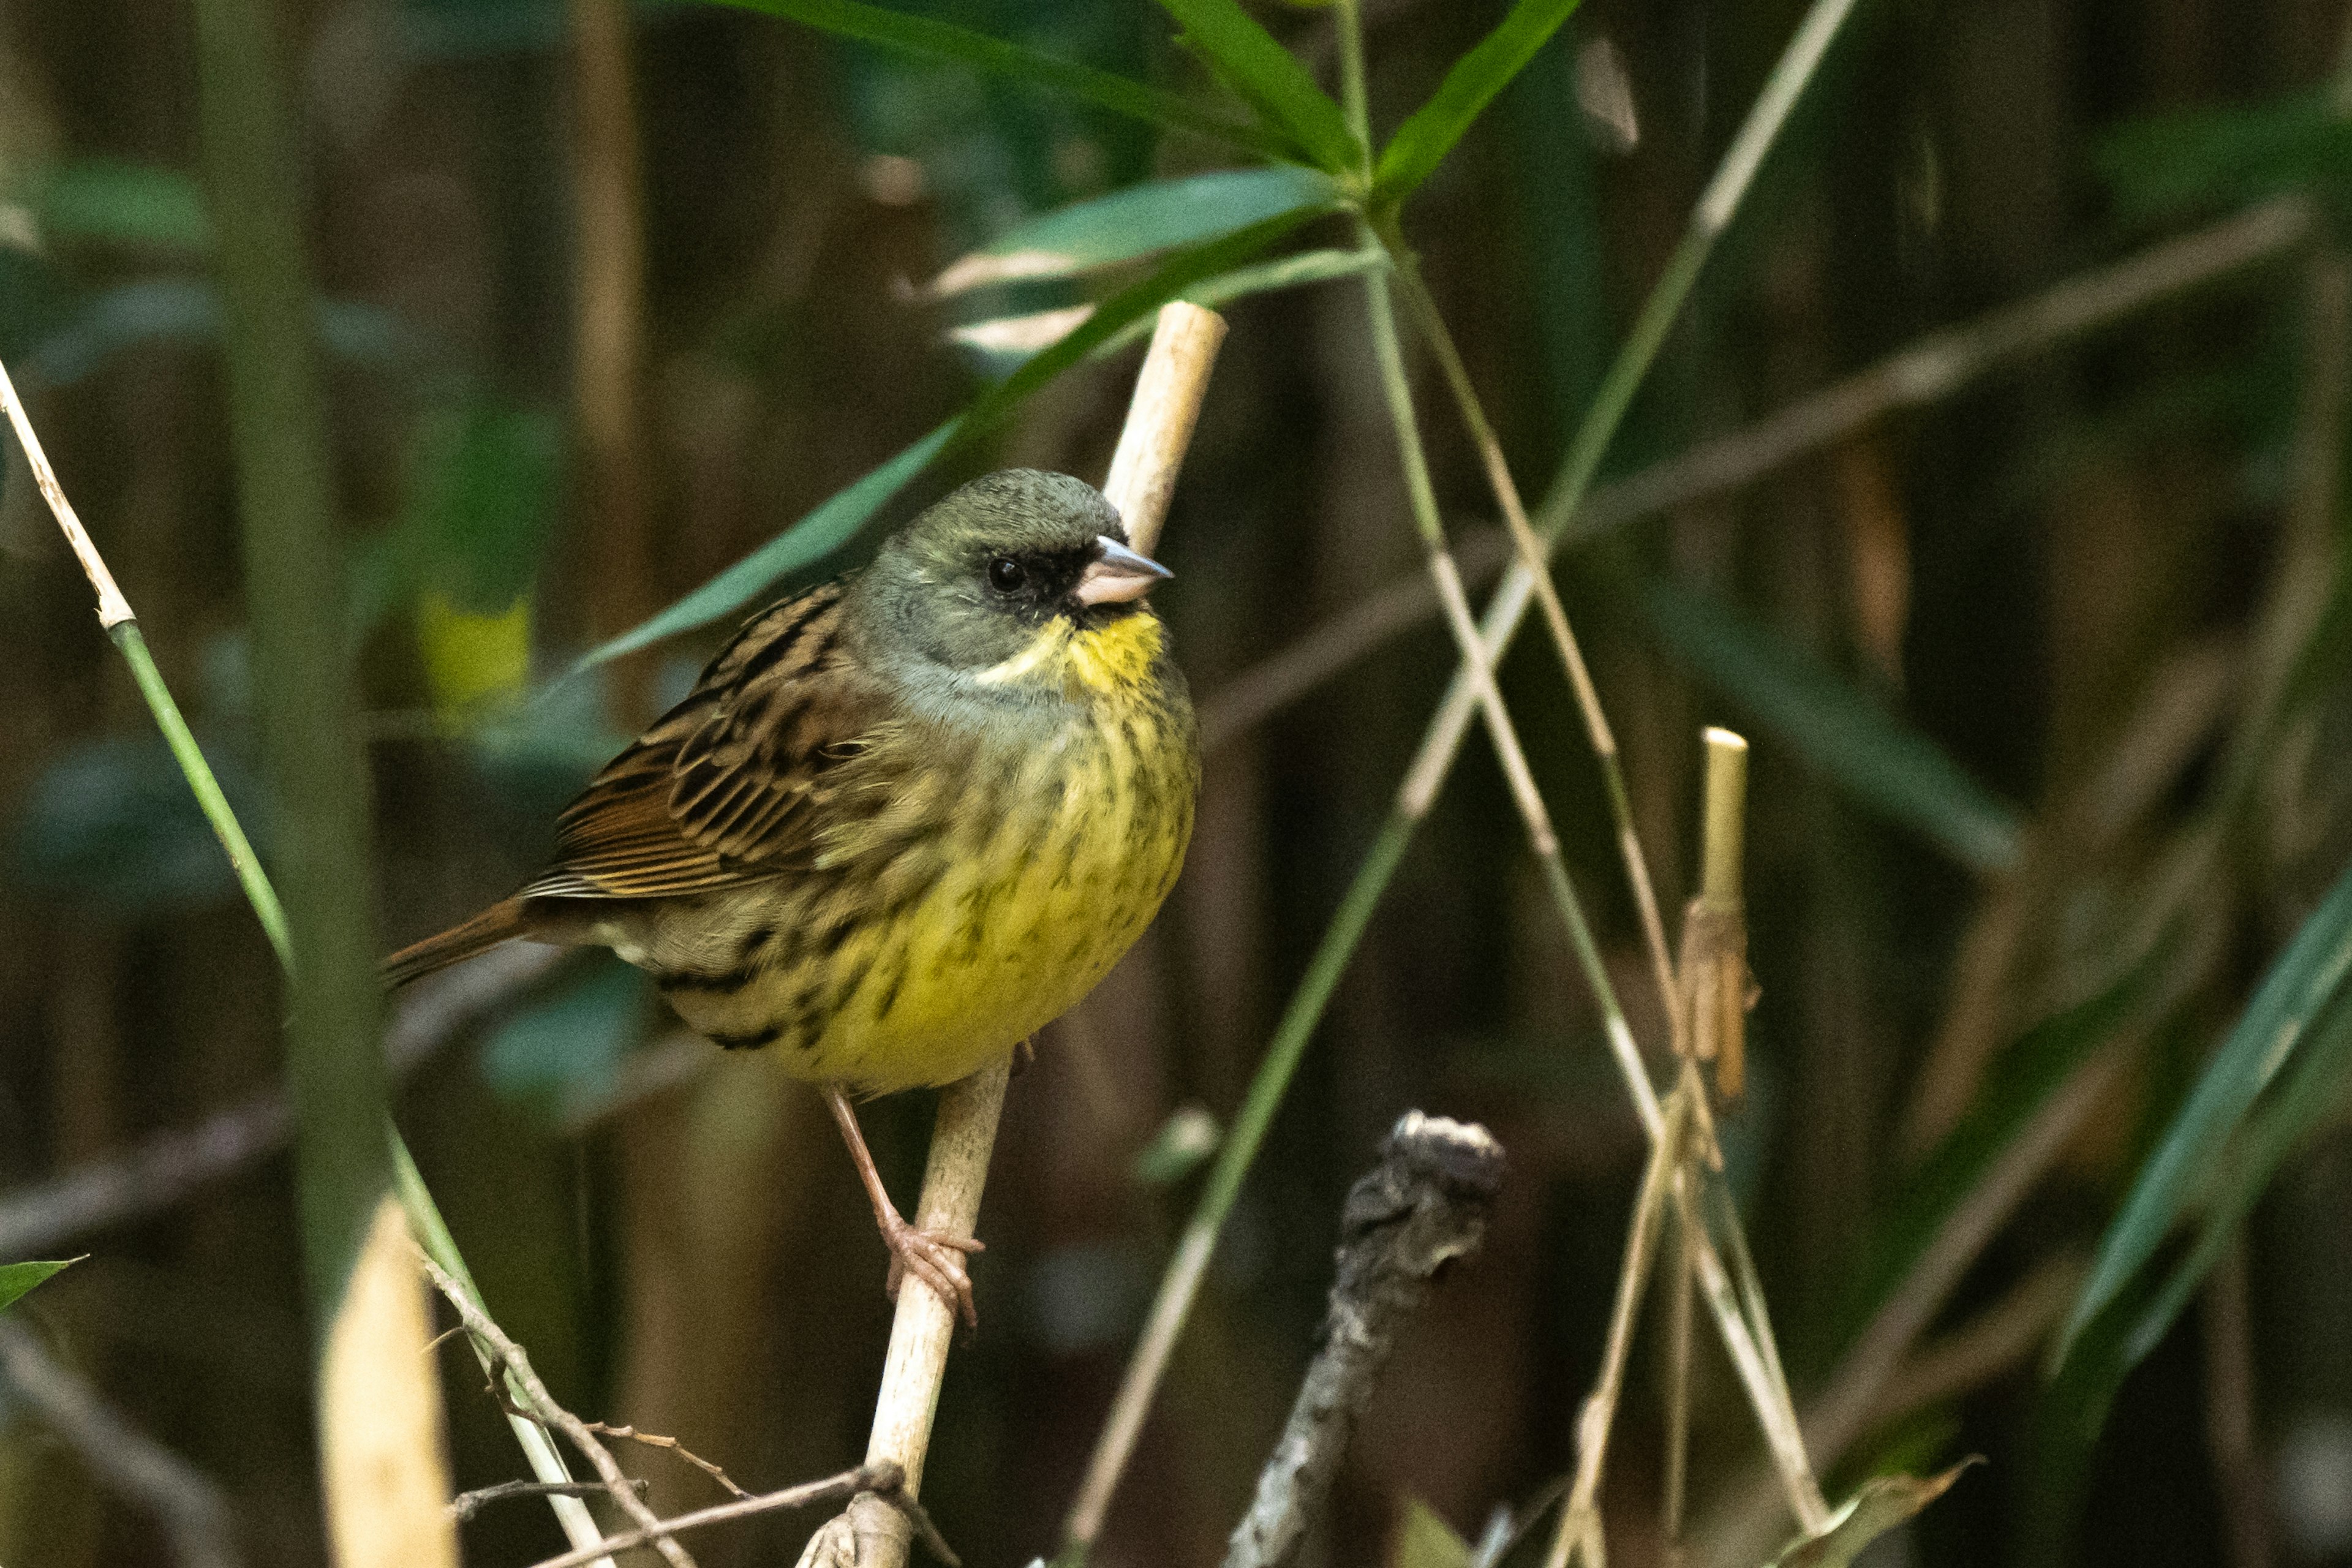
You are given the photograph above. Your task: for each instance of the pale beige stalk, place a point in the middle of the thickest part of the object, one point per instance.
(870, 1533)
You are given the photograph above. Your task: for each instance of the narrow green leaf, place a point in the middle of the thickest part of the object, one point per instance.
(930, 39)
(1188, 1136)
(1249, 59)
(2194, 1160)
(1881, 762)
(2237, 154)
(833, 523)
(1425, 138)
(1158, 215)
(15, 1278)
(2017, 1085)
(826, 529)
(1880, 1504)
(113, 203)
(1424, 1541)
(1290, 272)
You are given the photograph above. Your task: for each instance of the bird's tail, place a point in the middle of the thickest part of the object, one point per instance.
(502, 921)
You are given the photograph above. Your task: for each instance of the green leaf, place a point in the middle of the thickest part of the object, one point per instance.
(565, 1047)
(1424, 1541)
(1138, 221)
(1187, 1137)
(1880, 1504)
(923, 36)
(15, 1278)
(1880, 760)
(1290, 272)
(2016, 1087)
(819, 533)
(1425, 138)
(2163, 165)
(1248, 59)
(112, 203)
(2228, 1137)
(833, 523)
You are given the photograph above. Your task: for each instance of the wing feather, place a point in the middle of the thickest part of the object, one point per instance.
(733, 784)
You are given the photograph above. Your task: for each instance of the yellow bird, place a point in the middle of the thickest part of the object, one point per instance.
(901, 821)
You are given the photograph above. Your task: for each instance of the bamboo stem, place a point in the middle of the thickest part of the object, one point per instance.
(871, 1533)
(1181, 1281)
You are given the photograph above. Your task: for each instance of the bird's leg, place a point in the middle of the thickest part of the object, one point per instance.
(1024, 1054)
(936, 1257)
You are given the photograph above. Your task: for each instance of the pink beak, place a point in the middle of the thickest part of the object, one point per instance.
(1119, 574)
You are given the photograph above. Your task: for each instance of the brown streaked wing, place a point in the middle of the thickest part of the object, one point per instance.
(754, 779)
(725, 788)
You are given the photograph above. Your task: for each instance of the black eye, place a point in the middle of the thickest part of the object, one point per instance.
(1007, 576)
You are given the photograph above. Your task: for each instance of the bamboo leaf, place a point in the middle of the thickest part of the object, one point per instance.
(930, 39)
(1880, 760)
(1880, 1504)
(1138, 221)
(1424, 140)
(18, 1278)
(1248, 59)
(2017, 1085)
(2228, 1137)
(822, 530)
(833, 523)
(1424, 1541)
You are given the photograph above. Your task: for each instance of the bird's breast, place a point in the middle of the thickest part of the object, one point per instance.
(1003, 876)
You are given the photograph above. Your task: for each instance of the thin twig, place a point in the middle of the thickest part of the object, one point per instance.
(1580, 1521)
(171, 1167)
(1181, 1283)
(1531, 555)
(1423, 1205)
(884, 1482)
(1936, 366)
(654, 1440)
(543, 1407)
(194, 1516)
(467, 1504)
(1159, 421)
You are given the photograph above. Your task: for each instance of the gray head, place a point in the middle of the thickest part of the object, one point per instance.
(970, 582)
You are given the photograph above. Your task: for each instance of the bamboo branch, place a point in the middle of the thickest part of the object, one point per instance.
(1181, 1281)
(542, 1407)
(1422, 1207)
(1935, 367)
(883, 1481)
(870, 1533)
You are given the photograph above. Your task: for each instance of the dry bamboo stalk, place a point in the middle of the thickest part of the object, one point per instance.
(870, 1533)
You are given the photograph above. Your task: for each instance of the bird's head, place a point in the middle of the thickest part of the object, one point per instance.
(979, 578)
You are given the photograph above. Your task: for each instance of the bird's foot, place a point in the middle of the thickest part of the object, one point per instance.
(936, 1259)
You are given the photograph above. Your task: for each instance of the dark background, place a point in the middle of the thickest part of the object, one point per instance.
(2080, 579)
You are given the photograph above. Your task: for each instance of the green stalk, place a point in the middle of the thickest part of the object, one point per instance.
(133, 645)
(1181, 1283)
(302, 674)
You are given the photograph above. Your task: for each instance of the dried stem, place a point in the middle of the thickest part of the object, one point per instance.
(1579, 1521)
(1161, 418)
(883, 1481)
(1181, 1281)
(1422, 1207)
(542, 1407)
(1932, 368)
(1531, 555)
(466, 1505)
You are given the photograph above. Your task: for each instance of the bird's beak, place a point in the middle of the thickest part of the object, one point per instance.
(1119, 574)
